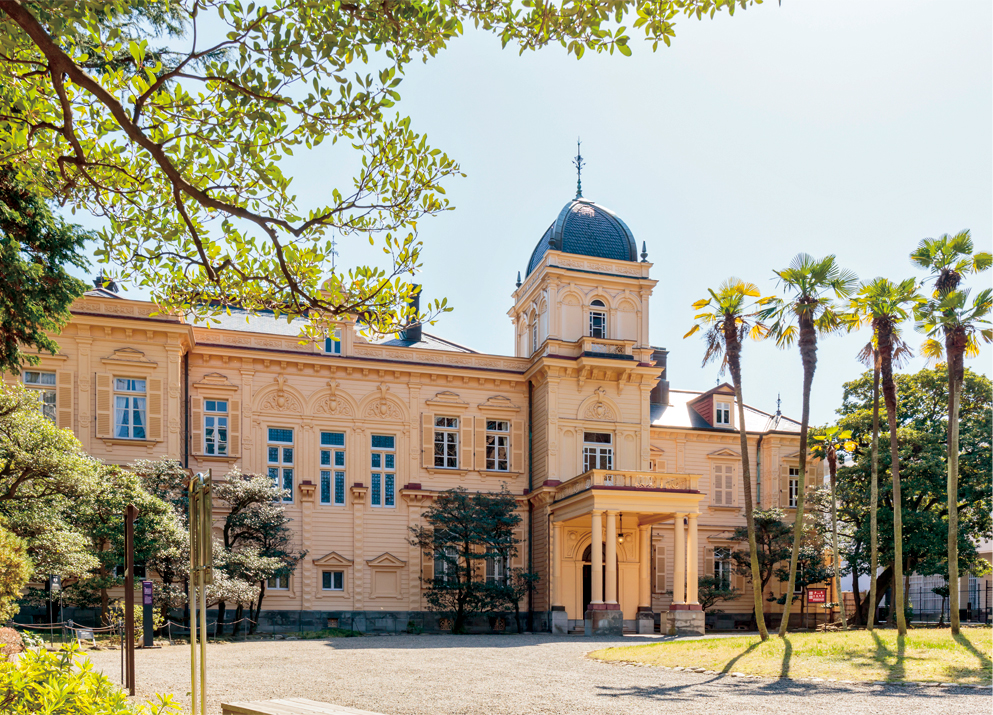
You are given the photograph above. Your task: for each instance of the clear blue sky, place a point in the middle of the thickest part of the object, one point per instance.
(854, 128)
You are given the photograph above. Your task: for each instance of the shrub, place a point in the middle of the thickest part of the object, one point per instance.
(64, 682)
(10, 643)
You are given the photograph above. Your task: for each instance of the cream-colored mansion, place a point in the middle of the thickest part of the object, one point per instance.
(628, 488)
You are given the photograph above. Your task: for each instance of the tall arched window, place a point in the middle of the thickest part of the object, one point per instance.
(534, 333)
(598, 319)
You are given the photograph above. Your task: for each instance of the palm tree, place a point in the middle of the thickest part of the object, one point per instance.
(869, 356)
(827, 447)
(728, 315)
(949, 258)
(889, 304)
(813, 283)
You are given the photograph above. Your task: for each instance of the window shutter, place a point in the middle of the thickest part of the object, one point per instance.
(234, 428)
(660, 567)
(480, 443)
(427, 439)
(737, 579)
(105, 407)
(517, 446)
(63, 399)
(729, 484)
(465, 442)
(708, 561)
(196, 425)
(784, 489)
(517, 562)
(718, 482)
(427, 569)
(155, 408)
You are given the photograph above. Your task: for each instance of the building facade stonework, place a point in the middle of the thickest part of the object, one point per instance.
(628, 489)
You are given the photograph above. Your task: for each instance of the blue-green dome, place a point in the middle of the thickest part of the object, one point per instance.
(587, 229)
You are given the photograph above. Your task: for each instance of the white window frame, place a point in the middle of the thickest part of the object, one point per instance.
(215, 419)
(383, 476)
(133, 400)
(446, 442)
(281, 467)
(497, 446)
(441, 566)
(332, 344)
(47, 396)
(723, 565)
(722, 408)
(278, 583)
(597, 320)
(794, 487)
(333, 461)
(332, 587)
(598, 455)
(496, 570)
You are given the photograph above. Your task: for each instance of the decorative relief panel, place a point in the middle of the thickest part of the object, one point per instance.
(281, 400)
(333, 404)
(384, 408)
(599, 409)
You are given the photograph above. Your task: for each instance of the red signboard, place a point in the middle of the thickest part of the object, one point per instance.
(816, 595)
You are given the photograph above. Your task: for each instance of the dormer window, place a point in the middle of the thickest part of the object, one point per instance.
(598, 320)
(722, 413)
(332, 344)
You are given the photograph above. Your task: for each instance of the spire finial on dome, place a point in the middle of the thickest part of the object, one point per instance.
(644, 252)
(518, 279)
(579, 164)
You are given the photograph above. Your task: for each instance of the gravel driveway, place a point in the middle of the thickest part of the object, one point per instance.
(445, 675)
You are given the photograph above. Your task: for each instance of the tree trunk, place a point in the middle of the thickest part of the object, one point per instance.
(733, 348)
(238, 612)
(884, 334)
(855, 590)
(258, 610)
(219, 628)
(833, 466)
(808, 355)
(874, 496)
(955, 350)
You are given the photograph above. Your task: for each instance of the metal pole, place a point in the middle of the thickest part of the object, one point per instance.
(129, 516)
(191, 597)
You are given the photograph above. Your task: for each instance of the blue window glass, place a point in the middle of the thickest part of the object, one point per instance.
(274, 454)
(333, 439)
(332, 346)
(383, 441)
(377, 460)
(339, 487)
(288, 484)
(377, 487)
(339, 459)
(325, 487)
(325, 458)
(281, 435)
(390, 491)
(287, 455)
(390, 458)
(274, 476)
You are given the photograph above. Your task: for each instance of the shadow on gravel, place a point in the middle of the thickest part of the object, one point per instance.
(487, 641)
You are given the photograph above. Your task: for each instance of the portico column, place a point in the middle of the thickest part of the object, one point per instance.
(693, 558)
(611, 587)
(679, 574)
(596, 556)
(556, 564)
(645, 568)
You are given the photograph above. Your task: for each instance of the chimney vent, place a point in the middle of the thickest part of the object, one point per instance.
(660, 393)
(412, 333)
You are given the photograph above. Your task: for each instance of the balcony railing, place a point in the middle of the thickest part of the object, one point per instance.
(619, 479)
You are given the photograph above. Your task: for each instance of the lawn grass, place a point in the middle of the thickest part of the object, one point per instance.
(922, 655)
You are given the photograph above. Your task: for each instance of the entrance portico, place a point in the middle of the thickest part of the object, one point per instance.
(601, 531)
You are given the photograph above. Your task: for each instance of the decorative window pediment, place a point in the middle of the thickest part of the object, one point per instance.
(448, 400)
(215, 381)
(498, 402)
(333, 559)
(128, 356)
(725, 454)
(386, 561)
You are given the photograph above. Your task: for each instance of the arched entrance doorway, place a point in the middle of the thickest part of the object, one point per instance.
(588, 574)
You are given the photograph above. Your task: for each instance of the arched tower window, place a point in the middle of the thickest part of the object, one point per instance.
(598, 320)
(534, 333)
